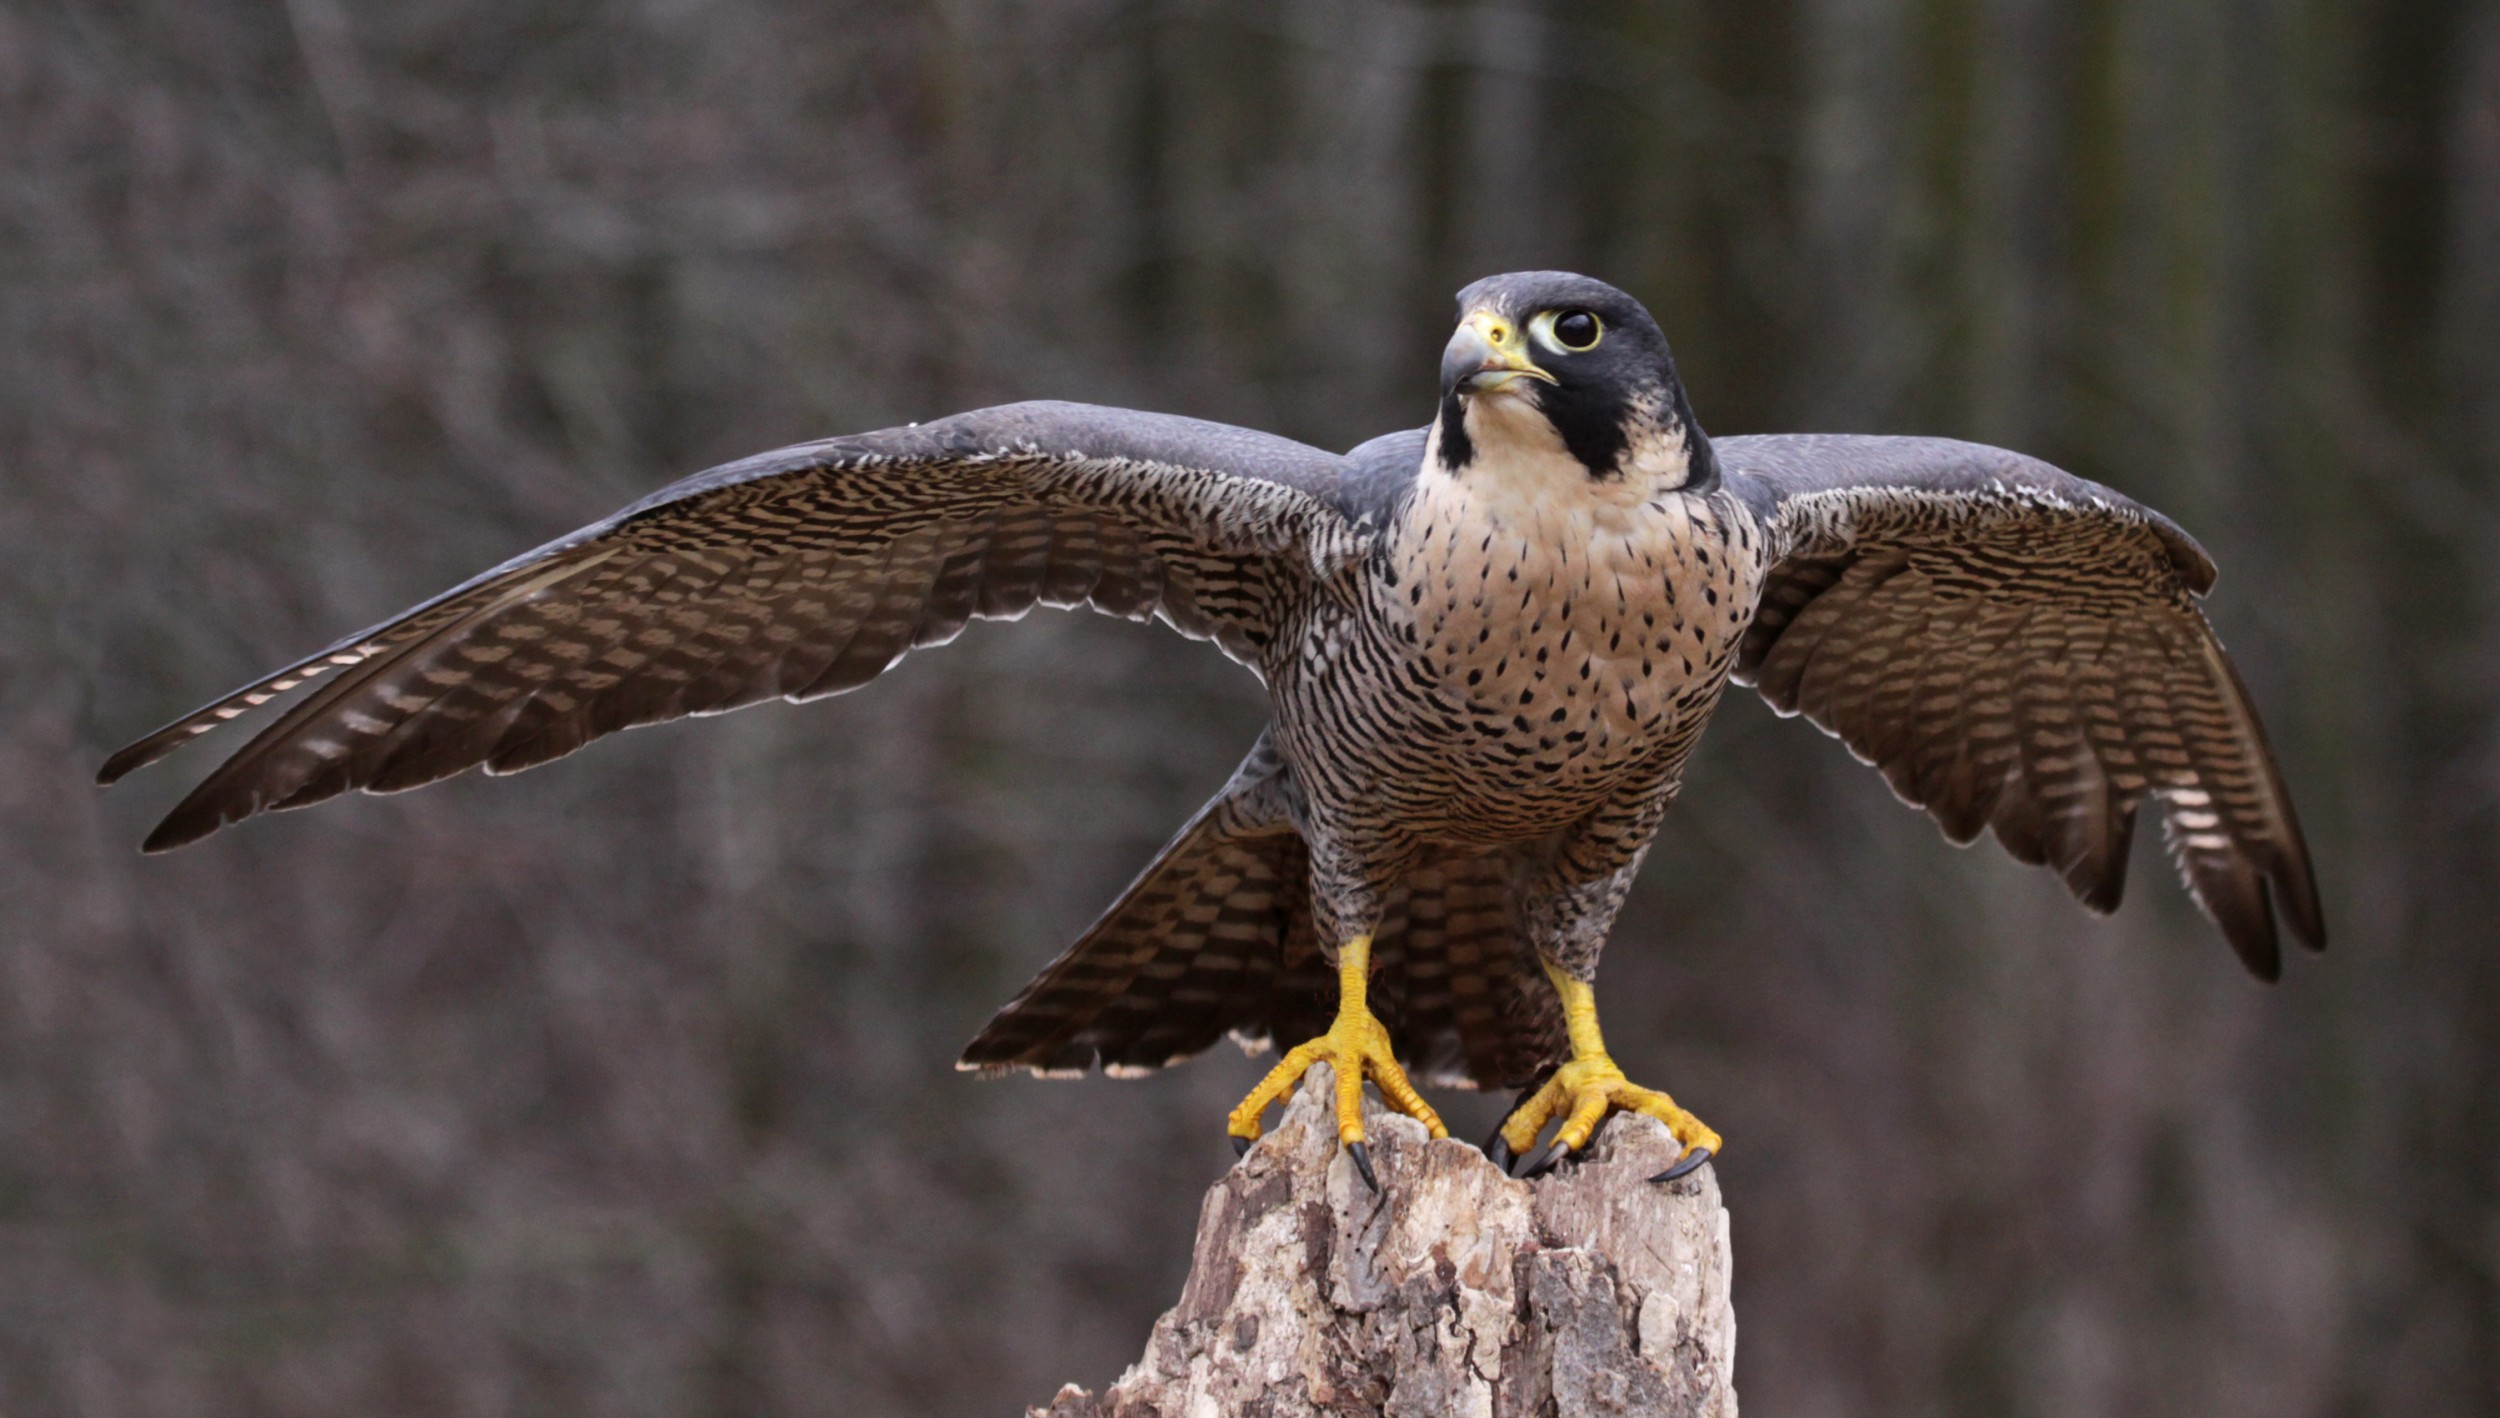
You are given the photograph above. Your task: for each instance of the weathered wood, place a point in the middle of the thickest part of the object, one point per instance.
(1454, 1291)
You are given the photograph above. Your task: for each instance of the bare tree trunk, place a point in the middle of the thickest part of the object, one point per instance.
(1454, 1291)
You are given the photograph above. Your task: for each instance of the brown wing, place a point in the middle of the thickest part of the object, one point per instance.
(794, 574)
(2021, 650)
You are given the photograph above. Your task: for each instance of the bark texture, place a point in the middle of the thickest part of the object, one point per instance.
(1454, 1291)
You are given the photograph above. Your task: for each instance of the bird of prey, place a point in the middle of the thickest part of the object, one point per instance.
(1489, 645)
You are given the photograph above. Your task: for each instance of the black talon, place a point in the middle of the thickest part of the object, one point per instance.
(1363, 1163)
(1497, 1151)
(1547, 1159)
(1241, 1146)
(1684, 1165)
(1497, 1147)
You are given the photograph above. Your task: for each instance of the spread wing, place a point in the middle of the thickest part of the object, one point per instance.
(2021, 650)
(791, 574)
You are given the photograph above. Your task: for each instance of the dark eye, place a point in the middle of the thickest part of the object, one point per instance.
(1576, 330)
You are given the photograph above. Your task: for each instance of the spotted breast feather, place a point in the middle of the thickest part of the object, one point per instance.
(1583, 635)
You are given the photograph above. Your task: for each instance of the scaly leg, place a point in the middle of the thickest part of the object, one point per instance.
(1353, 1046)
(1582, 1090)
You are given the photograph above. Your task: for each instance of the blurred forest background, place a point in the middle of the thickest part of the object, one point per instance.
(625, 1087)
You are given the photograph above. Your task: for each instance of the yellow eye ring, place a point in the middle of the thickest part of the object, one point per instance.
(1572, 331)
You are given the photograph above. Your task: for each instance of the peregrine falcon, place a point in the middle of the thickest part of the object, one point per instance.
(1488, 644)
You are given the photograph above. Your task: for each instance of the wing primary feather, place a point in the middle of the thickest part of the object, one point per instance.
(2288, 866)
(2045, 671)
(163, 741)
(801, 571)
(240, 786)
(466, 722)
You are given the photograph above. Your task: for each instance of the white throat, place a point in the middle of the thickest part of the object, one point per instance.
(1522, 473)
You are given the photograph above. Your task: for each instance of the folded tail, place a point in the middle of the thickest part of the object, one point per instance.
(1215, 937)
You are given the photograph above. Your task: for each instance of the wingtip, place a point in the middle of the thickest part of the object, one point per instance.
(2256, 941)
(191, 820)
(2259, 946)
(2303, 913)
(132, 757)
(2285, 903)
(124, 759)
(170, 834)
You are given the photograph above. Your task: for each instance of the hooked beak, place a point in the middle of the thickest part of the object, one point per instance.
(1489, 352)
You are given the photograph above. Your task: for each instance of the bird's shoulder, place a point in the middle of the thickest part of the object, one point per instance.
(1824, 492)
(1044, 430)
(1379, 477)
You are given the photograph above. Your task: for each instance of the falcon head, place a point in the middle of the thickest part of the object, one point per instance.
(1548, 363)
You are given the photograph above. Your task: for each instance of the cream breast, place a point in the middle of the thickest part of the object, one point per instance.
(1579, 611)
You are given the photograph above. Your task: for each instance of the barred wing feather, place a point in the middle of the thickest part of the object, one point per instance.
(793, 574)
(2021, 651)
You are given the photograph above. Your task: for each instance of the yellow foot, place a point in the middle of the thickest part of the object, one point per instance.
(1580, 1093)
(1355, 1046)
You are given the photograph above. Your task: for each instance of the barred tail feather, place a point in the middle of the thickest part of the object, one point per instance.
(1191, 951)
(1215, 938)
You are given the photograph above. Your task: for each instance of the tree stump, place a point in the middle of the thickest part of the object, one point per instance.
(1454, 1291)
